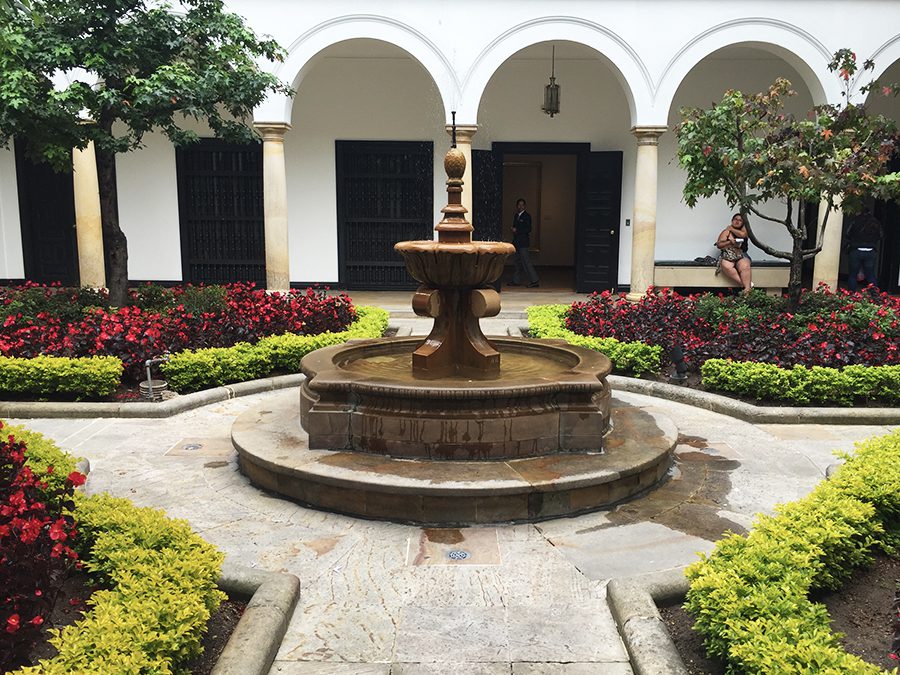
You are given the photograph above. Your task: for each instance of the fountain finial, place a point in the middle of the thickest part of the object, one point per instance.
(454, 228)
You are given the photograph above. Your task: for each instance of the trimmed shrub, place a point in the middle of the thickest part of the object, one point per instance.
(287, 350)
(37, 531)
(750, 596)
(801, 385)
(548, 321)
(829, 329)
(163, 320)
(33, 302)
(190, 371)
(45, 459)
(160, 588)
(92, 377)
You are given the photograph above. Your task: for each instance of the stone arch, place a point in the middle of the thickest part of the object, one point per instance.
(885, 56)
(303, 53)
(802, 51)
(622, 59)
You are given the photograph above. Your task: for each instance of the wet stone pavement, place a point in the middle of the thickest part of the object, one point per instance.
(385, 598)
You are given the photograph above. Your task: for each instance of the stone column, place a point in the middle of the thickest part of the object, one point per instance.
(278, 272)
(643, 234)
(464, 133)
(828, 261)
(88, 225)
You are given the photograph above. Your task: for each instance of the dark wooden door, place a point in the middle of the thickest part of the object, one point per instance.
(487, 195)
(47, 217)
(385, 194)
(220, 209)
(597, 236)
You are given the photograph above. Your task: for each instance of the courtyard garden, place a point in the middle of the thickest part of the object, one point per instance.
(837, 349)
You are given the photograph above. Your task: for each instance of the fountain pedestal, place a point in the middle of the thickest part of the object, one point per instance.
(455, 273)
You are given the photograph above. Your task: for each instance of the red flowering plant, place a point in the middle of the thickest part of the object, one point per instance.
(163, 321)
(829, 329)
(37, 531)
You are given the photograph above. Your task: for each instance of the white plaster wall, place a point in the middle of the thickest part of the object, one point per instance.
(360, 91)
(653, 41)
(12, 264)
(148, 210)
(683, 233)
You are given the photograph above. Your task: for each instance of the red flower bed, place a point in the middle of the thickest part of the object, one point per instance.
(60, 322)
(829, 329)
(36, 534)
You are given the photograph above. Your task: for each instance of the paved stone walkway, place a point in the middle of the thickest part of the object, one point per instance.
(388, 598)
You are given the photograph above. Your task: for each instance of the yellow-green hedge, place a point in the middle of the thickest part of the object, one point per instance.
(637, 358)
(194, 370)
(159, 583)
(802, 385)
(88, 377)
(750, 596)
(287, 350)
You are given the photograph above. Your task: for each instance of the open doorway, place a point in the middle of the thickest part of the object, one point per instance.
(548, 184)
(574, 198)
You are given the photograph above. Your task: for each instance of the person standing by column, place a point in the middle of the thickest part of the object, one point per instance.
(521, 239)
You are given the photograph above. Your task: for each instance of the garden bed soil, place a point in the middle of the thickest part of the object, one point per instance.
(861, 610)
(70, 606)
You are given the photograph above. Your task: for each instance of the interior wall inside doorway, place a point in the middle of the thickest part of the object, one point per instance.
(552, 181)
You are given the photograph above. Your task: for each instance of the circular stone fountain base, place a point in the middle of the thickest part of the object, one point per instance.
(273, 452)
(549, 397)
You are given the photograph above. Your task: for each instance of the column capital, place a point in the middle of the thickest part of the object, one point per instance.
(464, 132)
(272, 131)
(648, 135)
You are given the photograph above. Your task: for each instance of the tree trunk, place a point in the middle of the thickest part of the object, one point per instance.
(115, 244)
(795, 282)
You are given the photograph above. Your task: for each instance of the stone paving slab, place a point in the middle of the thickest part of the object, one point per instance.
(365, 609)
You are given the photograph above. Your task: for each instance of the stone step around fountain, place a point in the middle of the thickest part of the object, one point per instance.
(273, 453)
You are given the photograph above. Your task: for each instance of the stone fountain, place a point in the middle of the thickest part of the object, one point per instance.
(458, 428)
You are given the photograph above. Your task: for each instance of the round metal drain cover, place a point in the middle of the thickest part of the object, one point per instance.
(457, 555)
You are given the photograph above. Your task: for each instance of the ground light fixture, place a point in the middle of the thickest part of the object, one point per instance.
(551, 91)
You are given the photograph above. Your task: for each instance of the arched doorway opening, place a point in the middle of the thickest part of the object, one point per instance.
(567, 167)
(683, 233)
(361, 164)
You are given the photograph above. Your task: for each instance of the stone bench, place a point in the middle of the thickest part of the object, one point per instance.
(772, 277)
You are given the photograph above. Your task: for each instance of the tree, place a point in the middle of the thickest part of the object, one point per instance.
(751, 151)
(135, 67)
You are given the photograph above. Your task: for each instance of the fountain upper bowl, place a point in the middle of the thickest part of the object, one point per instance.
(453, 265)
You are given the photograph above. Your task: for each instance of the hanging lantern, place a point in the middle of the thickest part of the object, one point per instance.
(551, 91)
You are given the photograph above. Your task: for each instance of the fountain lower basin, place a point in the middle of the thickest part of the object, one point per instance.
(550, 397)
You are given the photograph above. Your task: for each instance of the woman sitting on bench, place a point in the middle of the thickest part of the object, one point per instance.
(733, 259)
